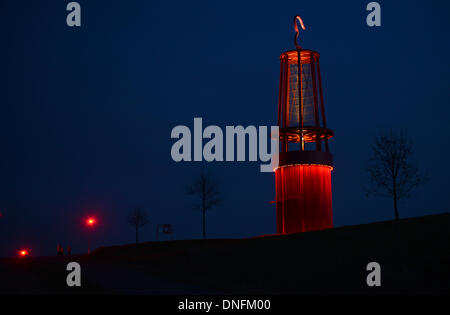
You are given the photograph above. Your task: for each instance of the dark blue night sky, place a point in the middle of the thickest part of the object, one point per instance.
(86, 113)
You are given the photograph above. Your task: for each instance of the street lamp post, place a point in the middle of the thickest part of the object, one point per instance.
(90, 222)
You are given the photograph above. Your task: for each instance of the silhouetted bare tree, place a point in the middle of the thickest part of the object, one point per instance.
(137, 218)
(391, 171)
(206, 189)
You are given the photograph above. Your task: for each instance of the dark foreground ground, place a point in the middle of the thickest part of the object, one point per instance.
(414, 256)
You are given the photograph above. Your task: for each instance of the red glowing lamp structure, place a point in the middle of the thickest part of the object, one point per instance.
(303, 176)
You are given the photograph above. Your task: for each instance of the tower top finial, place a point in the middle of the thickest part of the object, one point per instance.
(298, 18)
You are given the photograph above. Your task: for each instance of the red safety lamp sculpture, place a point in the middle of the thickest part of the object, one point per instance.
(303, 177)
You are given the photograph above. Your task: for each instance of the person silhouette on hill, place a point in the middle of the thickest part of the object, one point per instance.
(60, 250)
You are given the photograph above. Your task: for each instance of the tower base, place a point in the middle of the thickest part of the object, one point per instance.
(303, 198)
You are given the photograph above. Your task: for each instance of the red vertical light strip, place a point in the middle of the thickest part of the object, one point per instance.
(280, 100)
(322, 106)
(280, 95)
(316, 105)
(286, 91)
(300, 97)
(286, 99)
(283, 202)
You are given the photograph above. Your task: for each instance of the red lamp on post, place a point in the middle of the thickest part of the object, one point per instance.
(23, 253)
(90, 223)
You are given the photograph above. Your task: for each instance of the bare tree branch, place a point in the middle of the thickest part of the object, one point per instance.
(391, 172)
(207, 195)
(137, 218)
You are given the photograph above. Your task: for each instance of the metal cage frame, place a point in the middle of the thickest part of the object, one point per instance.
(302, 133)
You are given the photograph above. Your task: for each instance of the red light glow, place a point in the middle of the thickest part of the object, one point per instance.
(303, 194)
(23, 253)
(90, 221)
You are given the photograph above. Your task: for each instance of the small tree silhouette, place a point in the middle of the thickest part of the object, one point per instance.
(392, 174)
(137, 219)
(206, 189)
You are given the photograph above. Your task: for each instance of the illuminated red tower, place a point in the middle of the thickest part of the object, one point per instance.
(303, 177)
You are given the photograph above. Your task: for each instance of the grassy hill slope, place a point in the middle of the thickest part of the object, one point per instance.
(413, 253)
